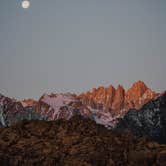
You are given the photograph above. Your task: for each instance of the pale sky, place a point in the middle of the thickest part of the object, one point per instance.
(75, 45)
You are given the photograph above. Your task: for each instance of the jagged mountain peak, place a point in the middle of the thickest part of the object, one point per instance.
(118, 99)
(120, 87)
(136, 90)
(103, 104)
(139, 83)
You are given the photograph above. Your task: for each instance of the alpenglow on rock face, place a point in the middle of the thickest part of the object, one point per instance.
(150, 120)
(104, 105)
(28, 102)
(118, 100)
(61, 106)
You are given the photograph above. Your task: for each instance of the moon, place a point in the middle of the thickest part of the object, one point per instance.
(25, 4)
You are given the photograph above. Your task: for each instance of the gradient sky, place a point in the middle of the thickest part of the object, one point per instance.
(74, 45)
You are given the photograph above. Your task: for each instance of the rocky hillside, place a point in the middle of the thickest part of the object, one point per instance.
(78, 141)
(150, 120)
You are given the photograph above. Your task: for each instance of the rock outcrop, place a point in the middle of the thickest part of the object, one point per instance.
(12, 111)
(28, 102)
(61, 106)
(118, 100)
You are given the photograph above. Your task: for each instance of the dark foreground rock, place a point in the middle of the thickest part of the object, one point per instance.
(77, 142)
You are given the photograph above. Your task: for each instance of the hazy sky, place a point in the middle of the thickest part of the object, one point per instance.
(74, 45)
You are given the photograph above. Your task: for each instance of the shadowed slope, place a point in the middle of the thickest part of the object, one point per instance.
(150, 120)
(78, 141)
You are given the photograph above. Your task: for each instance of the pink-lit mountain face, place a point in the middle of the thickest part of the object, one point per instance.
(61, 106)
(104, 104)
(28, 102)
(118, 100)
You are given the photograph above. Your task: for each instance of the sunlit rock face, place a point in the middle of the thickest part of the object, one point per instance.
(138, 95)
(61, 106)
(28, 102)
(118, 100)
(105, 105)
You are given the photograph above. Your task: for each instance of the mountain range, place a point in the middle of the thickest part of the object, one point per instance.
(105, 105)
(105, 126)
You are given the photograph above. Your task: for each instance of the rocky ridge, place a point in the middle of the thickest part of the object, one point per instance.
(118, 100)
(104, 105)
(150, 120)
(61, 106)
(12, 111)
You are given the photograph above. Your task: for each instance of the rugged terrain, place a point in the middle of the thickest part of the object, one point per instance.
(65, 129)
(118, 100)
(12, 111)
(150, 120)
(104, 105)
(78, 141)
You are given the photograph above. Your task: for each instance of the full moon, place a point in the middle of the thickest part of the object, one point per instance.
(25, 4)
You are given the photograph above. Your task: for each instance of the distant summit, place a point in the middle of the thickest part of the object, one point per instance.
(118, 100)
